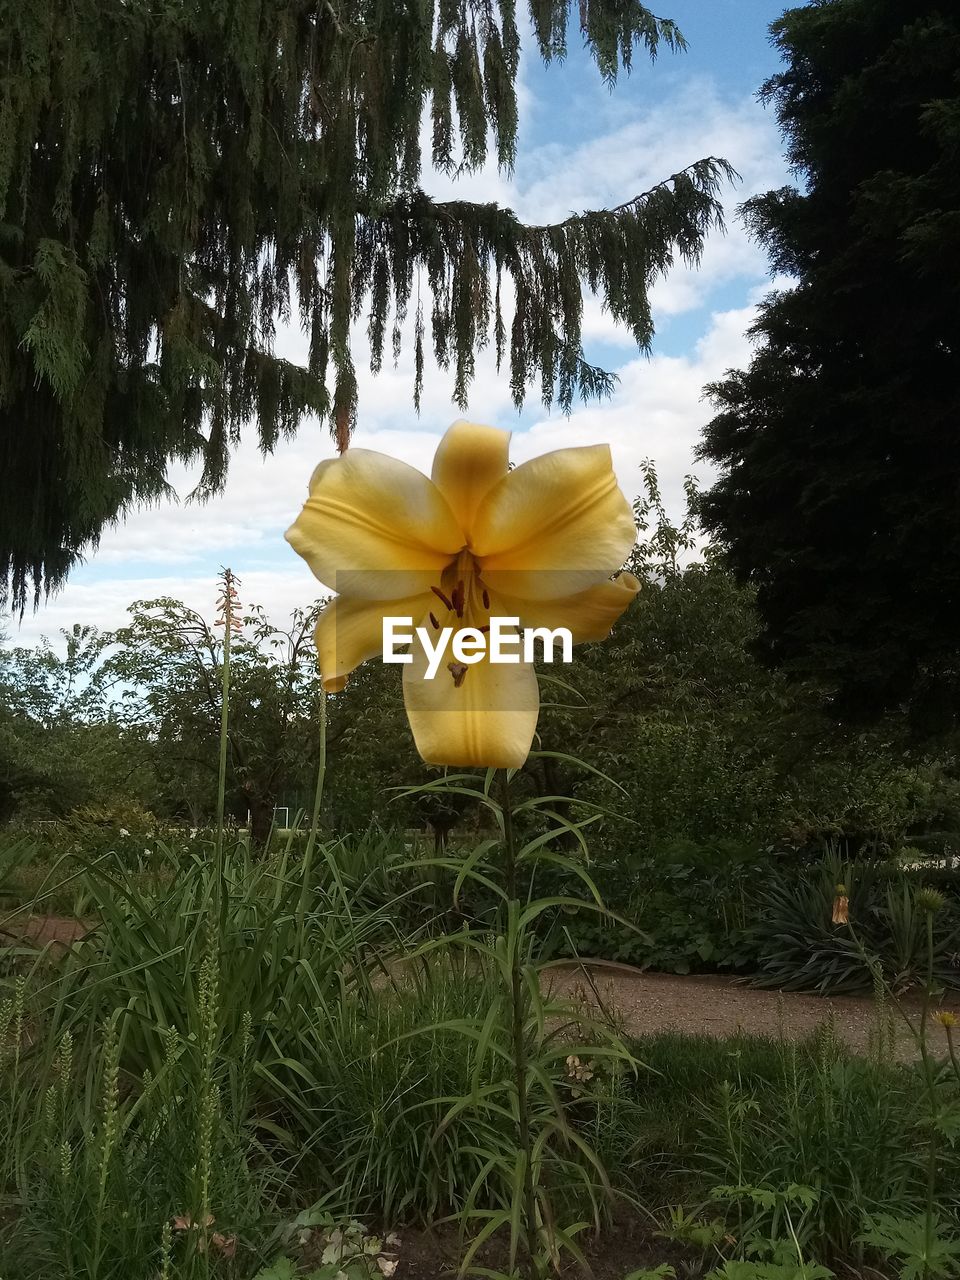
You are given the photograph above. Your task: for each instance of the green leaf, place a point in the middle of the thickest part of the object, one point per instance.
(281, 1269)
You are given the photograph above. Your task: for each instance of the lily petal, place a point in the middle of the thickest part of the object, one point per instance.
(375, 527)
(589, 615)
(350, 631)
(469, 461)
(486, 721)
(555, 526)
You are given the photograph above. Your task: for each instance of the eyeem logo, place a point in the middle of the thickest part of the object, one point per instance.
(502, 642)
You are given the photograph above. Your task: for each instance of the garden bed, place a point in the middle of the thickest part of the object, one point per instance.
(646, 1003)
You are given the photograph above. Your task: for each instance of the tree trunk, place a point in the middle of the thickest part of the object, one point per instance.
(261, 819)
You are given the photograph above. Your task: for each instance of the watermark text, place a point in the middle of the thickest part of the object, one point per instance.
(502, 642)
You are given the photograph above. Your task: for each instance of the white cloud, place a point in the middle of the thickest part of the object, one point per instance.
(636, 144)
(656, 412)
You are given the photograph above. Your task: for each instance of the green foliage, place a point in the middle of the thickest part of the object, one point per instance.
(132, 718)
(97, 1164)
(541, 1179)
(709, 746)
(388, 1092)
(371, 754)
(404, 1108)
(758, 1118)
(774, 1257)
(707, 742)
(689, 907)
(918, 1251)
(799, 948)
(279, 951)
(376, 1097)
(62, 744)
(174, 181)
(837, 448)
(168, 661)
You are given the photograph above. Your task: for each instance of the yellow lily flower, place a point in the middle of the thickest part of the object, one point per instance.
(475, 541)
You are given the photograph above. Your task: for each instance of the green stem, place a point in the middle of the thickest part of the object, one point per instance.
(224, 729)
(514, 942)
(317, 802)
(953, 1053)
(929, 1076)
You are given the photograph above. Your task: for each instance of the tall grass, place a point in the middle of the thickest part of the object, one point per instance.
(186, 1053)
(760, 1116)
(183, 1081)
(278, 951)
(99, 1164)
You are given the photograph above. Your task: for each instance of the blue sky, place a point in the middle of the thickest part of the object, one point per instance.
(581, 146)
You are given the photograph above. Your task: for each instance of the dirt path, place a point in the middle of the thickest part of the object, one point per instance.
(39, 930)
(721, 1006)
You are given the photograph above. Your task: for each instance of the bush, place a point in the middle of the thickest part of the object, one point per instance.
(799, 948)
(99, 1166)
(688, 908)
(359, 1062)
(728, 906)
(239, 1063)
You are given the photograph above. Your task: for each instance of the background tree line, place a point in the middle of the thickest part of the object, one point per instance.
(703, 739)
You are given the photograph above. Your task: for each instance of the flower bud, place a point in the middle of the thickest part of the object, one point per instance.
(841, 906)
(930, 900)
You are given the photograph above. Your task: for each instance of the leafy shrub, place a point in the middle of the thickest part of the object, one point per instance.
(689, 908)
(373, 1088)
(801, 949)
(283, 942)
(367, 1070)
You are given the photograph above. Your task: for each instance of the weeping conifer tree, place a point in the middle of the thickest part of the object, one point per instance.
(176, 178)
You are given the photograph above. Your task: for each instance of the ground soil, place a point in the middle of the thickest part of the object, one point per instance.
(40, 930)
(630, 1244)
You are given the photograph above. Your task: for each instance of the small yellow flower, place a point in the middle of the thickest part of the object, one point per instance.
(474, 541)
(946, 1018)
(579, 1075)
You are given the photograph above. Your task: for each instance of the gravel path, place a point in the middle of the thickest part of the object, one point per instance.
(721, 1006)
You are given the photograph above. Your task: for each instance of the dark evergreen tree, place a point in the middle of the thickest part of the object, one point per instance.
(175, 177)
(839, 446)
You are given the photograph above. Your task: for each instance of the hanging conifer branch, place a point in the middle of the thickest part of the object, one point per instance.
(174, 180)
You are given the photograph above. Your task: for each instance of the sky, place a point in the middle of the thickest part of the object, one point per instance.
(581, 146)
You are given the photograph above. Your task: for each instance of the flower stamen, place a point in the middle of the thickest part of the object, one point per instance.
(440, 596)
(458, 671)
